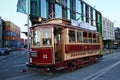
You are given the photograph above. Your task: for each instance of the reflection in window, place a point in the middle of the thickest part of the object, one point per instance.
(71, 36)
(36, 37)
(46, 36)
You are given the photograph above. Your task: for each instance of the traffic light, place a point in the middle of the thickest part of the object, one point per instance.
(35, 19)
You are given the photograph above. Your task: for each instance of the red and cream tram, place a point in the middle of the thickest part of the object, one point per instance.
(56, 45)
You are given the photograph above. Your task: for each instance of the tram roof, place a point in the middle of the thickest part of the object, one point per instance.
(65, 25)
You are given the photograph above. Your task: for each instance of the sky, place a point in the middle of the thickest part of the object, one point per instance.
(108, 8)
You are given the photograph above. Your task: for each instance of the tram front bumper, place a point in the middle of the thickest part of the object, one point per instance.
(37, 66)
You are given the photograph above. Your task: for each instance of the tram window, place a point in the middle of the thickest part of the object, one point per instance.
(85, 40)
(90, 38)
(46, 41)
(79, 36)
(94, 35)
(94, 38)
(71, 36)
(97, 39)
(59, 38)
(36, 37)
(46, 36)
(58, 35)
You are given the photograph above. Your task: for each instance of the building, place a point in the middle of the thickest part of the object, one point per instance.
(12, 35)
(2, 25)
(117, 38)
(0, 32)
(108, 33)
(67, 9)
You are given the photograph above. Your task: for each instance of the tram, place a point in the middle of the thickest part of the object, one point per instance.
(56, 44)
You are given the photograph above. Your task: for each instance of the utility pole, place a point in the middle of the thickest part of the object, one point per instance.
(28, 44)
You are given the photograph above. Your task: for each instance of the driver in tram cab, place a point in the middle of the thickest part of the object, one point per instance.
(46, 41)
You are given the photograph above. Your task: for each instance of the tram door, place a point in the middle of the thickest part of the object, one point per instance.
(58, 43)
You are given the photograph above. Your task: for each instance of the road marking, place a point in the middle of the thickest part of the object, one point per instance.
(101, 72)
(19, 65)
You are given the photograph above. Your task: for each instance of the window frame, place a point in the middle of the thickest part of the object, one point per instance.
(70, 39)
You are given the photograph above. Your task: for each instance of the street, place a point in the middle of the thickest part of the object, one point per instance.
(107, 68)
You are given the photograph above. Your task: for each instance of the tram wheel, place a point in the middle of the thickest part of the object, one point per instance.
(71, 66)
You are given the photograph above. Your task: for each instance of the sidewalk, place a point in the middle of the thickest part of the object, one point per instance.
(105, 52)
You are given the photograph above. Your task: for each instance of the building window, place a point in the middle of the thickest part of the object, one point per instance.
(43, 8)
(58, 11)
(68, 4)
(94, 18)
(84, 13)
(72, 9)
(87, 13)
(34, 7)
(51, 10)
(68, 14)
(78, 10)
(91, 16)
(78, 6)
(65, 13)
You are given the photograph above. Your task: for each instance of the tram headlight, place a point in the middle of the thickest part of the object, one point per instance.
(33, 54)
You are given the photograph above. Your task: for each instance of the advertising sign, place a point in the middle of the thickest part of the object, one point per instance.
(83, 24)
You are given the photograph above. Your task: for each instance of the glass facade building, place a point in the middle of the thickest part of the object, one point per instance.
(67, 9)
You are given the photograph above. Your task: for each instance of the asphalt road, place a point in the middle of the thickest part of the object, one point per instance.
(107, 68)
(11, 65)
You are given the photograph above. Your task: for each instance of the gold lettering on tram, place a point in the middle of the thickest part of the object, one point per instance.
(80, 54)
(76, 54)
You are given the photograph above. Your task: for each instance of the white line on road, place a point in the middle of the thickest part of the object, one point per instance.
(101, 72)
